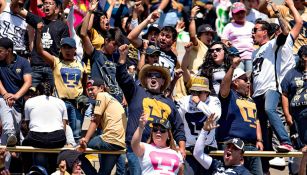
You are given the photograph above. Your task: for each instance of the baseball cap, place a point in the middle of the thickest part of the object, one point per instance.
(237, 142)
(68, 41)
(160, 121)
(153, 27)
(237, 6)
(6, 43)
(205, 28)
(200, 84)
(233, 51)
(152, 49)
(239, 72)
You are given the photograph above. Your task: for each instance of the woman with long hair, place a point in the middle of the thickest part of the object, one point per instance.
(159, 155)
(215, 65)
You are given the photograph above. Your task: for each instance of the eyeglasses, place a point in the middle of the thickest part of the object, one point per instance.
(48, 3)
(256, 29)
(40, 6)
(154, 74)
(216, 49)
(158, 128)
(246, 79)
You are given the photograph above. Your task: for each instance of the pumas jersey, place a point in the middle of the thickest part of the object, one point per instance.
(194, 115)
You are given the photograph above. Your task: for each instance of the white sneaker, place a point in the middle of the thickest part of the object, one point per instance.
(278, 161)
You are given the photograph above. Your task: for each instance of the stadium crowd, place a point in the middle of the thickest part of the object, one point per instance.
(239, 81)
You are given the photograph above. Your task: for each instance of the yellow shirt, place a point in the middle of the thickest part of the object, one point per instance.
(197, 56)
(68, 77)
(96, 39)
(112, 119)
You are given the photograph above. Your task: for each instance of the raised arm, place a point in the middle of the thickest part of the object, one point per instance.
(18, 10)
(141, 62)
(297, 18)
(282, 22)
(192, 26)
(185, 63)
(226, 82)
(133, 35)
(87, 45)
(136, 144)
(110, 9)
(39, 47)
(162, 5)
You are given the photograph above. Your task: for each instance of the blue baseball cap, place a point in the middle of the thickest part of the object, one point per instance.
(68, 41)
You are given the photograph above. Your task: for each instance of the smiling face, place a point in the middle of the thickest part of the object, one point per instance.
(217, 52)
(232, 155)
(154, 81)
(165, 40)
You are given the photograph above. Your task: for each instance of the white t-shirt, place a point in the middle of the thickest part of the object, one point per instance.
(46, 114)
(240, 37)
(13, 27)
(264, 69)
(193, 115)
(160, 160)
(255, 14)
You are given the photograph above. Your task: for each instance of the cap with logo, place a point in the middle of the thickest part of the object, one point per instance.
(239, 72)
(237, 142)
(205, 28)
(160, 121)
(152, 49)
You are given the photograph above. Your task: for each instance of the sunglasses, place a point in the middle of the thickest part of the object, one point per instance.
(216, 49)
(256, 29)
(246, 79)
(158, 128)
(40, 6)
(154, 74)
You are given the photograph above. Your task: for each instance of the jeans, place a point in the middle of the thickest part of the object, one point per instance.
(253, 164)
(107, 161)
(40, 74)
(133, 162)
(246, 65)
(10, 119)
(267, 110)
(75, 119)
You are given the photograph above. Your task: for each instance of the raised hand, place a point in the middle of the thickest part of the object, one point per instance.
(210, 123)
(143, 120)
(194, 11)
(188, 47)
(40, 27)
(180, 26)
(236, 61)
(289, 3)
(123, 49)
(93, 5)
(153, 17)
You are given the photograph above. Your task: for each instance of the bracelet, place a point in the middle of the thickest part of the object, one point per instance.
(260, 140)
(90, 11)
(4, 94)
(160, 11)
(192, 18)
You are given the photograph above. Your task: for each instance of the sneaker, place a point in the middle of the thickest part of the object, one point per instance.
(278, 161)
(284, 148)
(11, 141)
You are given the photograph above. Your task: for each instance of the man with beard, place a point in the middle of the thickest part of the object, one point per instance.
(167, 37)
(53, 31)
(233, 152)
(238, 119)
(148, 99)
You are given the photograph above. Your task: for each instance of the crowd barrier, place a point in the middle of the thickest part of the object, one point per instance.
(92, 151)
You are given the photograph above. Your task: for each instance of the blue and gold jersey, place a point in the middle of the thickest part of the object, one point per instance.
(238, 119)
(68, 78)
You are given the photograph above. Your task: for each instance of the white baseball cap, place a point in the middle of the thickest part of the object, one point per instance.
(239, 72)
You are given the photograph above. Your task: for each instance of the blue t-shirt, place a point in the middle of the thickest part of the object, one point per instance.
(217, 167)
(295, 87)
(105, 68)
(238, 119)
(11, 76)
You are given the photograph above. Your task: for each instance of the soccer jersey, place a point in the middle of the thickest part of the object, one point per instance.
(264, 65)
(157, 160)
(169, 60)
(238, 119)
(13, 27)
(112, 119)
(68, 77)
(194, 115)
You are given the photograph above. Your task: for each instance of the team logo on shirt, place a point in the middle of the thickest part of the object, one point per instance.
(248, 111)
(18, 70)
(164, 161)
(70, 76)
(156, 108)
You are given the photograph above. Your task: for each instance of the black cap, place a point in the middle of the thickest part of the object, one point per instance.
(302, 51)
(163, 122)
(6, 43)
(153, 49)
(37, 170)
(70, 156)
(237, 142)
(68, 41)
(205, 28)
(233, 51)
(153, 27)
